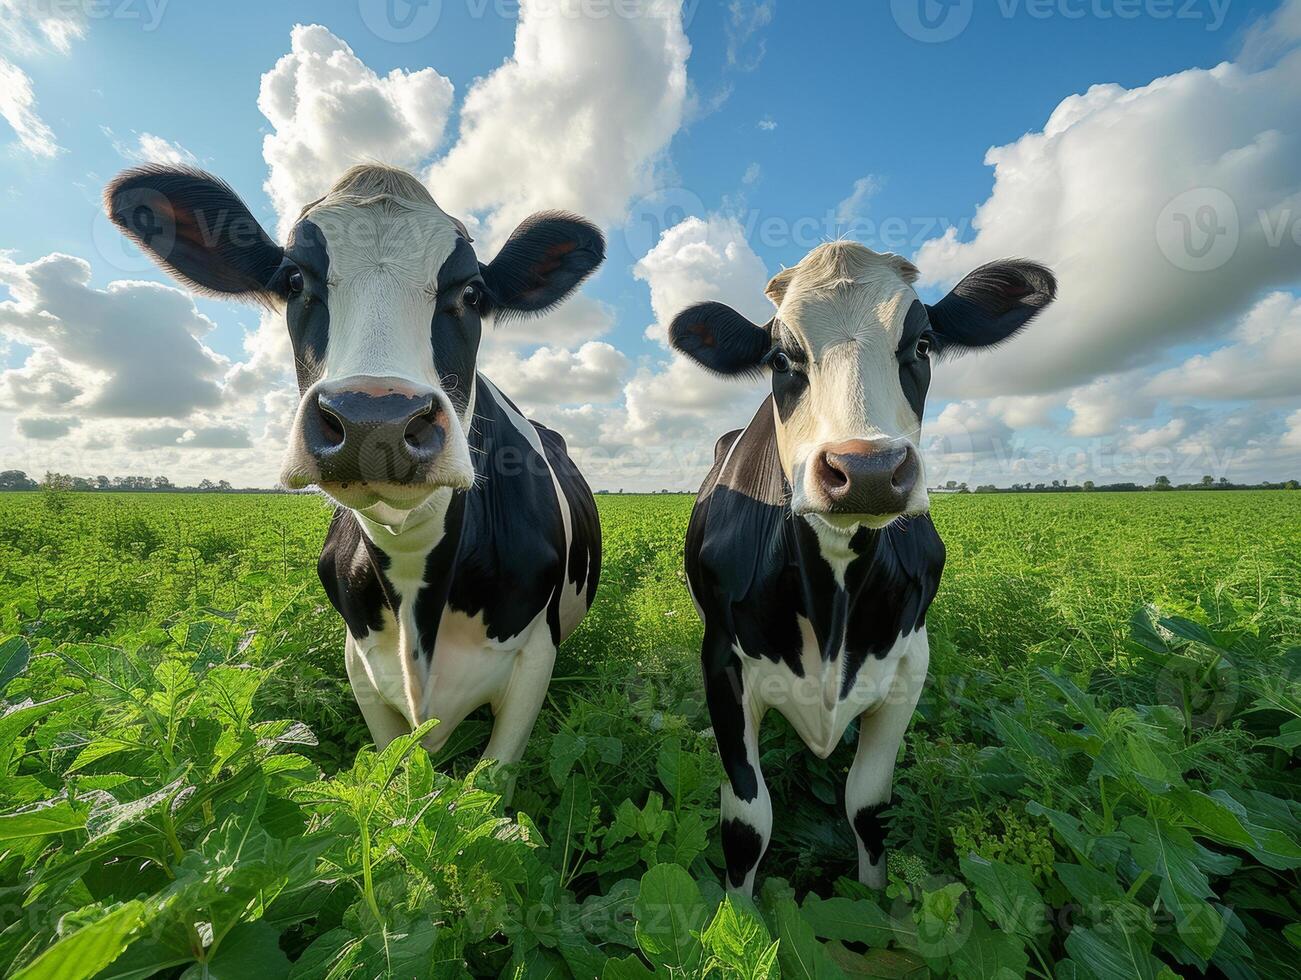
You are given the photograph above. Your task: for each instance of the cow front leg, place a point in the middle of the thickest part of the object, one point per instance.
(515, 714)
(384, 721)
(745, 806)
(867, 790)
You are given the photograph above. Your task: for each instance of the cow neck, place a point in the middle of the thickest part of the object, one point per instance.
(833, 565)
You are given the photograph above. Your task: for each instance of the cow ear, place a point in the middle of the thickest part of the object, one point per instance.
(718, 338)
(195, 227)
(991, 304)
(542, 262)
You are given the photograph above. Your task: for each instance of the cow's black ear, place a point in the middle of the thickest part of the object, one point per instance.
(991, 304)
(720, 339)
(542, 262)
(196, 228)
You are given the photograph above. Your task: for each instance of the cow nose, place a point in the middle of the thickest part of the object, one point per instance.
(378, 431)
(862, 477)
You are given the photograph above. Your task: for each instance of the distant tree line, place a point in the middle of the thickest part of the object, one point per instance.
(18, 480)
(1088, 486)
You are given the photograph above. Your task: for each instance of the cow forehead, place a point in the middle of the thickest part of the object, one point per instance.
(844, 292)
(406, 241)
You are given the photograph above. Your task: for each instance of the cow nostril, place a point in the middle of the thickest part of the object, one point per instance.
(832, 476)
(904, 477)
(331, 426)
(423, 432)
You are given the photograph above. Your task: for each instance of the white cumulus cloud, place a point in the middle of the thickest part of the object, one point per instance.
(574, 119)
(329, 111)
(1165, 211)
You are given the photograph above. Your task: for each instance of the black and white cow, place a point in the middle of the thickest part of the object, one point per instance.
(465, 545)
(810, 553)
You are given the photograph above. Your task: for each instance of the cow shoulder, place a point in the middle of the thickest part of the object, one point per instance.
(584, 560)
(512, 549)
(740, 554)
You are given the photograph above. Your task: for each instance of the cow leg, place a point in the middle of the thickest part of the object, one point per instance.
(745, 805)
(384, 721)
(517, 711)
(867, 790)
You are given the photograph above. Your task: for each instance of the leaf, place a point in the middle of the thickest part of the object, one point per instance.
(849, 920)
(570, 824)
(990, 955)
(88, 950)
(798, 952)
(250, 949)
(51, 817)
(105, 820)
(1116, 954)
(609, 917)
(566, 749)
(889, 964)
(15, 653)
(1170, 854)
(1007, 895)
(738, 943)
(678, 771)
(627, 968)
(670, 914)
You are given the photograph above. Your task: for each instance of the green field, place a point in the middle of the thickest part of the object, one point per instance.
(1101, 780)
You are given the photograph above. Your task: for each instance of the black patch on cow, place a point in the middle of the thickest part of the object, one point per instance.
(788, 386)
(307, 313)
(721, 340)
(914, 371)
(352, 570)
(196, 227)
(724, 694)
(890, 586)
(992, 303)
(511, 562)
(457, 326)
(584, 566)
(787, 390)
(742, 849)
(440, 567)
(871, 830)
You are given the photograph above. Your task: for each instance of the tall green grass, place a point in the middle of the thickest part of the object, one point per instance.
(1100, 781)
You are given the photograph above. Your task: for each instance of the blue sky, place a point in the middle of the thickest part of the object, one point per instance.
(797, 123)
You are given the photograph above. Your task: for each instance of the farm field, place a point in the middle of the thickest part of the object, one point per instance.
(1100, 782)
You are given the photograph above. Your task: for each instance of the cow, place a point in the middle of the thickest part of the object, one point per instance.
(810, 554)
(465, 544)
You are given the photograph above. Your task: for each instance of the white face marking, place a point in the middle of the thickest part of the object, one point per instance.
(384, 258)
(384, 263)
(841, 314)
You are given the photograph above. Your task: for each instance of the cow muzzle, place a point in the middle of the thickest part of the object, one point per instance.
(377, 433)
(872, 480)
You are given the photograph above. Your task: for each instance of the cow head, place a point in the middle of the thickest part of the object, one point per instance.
(384, 298)
(850, 353)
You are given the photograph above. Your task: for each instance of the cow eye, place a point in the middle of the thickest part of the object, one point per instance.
(294, 282)
(471, 297)
(780, 362)
(924, 348)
